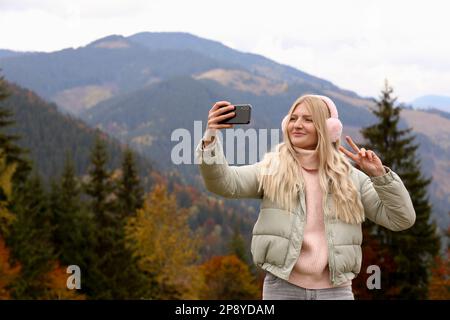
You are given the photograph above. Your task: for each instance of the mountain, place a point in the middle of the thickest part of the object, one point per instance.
(48, 135)
(149, 88)
(77, 79)
(215, 50)
(432, 101)
(9, 53)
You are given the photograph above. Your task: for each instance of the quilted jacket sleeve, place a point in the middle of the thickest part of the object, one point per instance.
(386, 201)
(224, 180)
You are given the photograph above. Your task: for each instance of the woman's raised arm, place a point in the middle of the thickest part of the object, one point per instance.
(219, 177)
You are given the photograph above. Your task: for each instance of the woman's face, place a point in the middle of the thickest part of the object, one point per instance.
(301, 128)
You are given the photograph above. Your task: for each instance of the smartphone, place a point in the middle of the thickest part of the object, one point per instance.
(242, 115)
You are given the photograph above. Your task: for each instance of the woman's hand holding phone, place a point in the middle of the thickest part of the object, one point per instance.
(219, 112)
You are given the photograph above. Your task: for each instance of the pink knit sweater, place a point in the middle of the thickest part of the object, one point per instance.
(311, 269)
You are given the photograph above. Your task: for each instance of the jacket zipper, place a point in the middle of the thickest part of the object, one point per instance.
(331, 265)
(302, 216)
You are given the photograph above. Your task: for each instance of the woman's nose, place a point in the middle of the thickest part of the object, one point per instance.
(298, 123)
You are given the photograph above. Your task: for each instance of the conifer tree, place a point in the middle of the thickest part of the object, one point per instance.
(237, 245)
(30, 240)
(100, 186)
(129, 198)
(113, 273)
(73, 225)
(8, 142)
(413, 250)
(99, 276)
(130, 194)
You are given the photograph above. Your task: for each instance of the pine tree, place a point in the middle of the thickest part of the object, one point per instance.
(129, 198)
(99, 188)
(414, 249)
(30, 240)
(64, 205)
(237, 245)
(8, 142)
(27, 229)
(130, 194)
(114, 273)
(73, 225)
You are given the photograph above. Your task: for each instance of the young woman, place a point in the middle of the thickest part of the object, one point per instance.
(308, 234)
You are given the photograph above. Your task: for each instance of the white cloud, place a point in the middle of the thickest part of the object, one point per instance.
(354, 44)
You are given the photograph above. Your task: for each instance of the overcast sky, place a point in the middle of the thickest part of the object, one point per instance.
(354, 44)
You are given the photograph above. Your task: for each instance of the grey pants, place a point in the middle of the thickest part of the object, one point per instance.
(275, 288)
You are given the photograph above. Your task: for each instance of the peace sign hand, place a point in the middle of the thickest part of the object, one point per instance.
(367, 160)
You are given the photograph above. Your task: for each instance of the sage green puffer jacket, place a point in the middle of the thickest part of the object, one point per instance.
(278, 234)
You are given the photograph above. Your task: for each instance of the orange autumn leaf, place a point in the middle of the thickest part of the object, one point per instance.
(57, 286)
(8, 273)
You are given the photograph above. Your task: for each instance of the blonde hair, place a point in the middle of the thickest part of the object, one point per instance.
(281, 180)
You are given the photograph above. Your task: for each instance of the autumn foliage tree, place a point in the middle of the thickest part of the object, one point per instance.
(6, 173)
(439, 288)
(227, 277)
(164, 246)
(8, 273)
